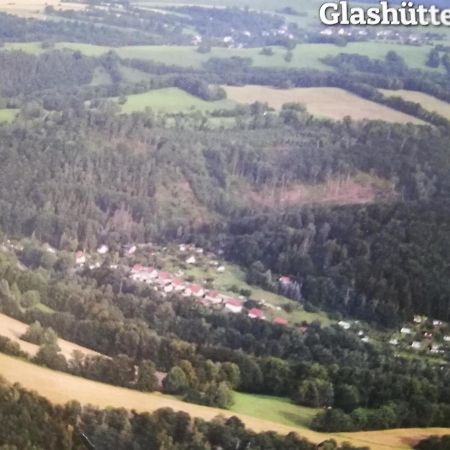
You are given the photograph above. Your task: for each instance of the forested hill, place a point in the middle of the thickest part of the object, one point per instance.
(77, 178)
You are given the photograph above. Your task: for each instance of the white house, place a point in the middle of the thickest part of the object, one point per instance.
(191, 260)
(80, 258)
(344, 325)
(234, 305)
(103, 249)
(416, 345)
(213, 297)
(393, 342)
(406, 330)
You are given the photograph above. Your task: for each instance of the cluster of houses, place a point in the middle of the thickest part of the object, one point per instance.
(167, 283)
(422, 336)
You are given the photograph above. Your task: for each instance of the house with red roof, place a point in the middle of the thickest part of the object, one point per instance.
(143, 273)
(214, 297)
(285, 280)
(80, 258)
(194, 290)
(178, 285)
(280, 321)
(256, 313)
(164, 278)
(234, 305)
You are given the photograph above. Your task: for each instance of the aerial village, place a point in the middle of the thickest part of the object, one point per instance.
(423, 334)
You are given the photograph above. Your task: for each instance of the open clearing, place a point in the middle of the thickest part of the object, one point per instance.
(61, 388)
(33, 8)
(171, 100)
(13, 329)
(8, 115)
(275, 409)
(428, 102)
(332, 103)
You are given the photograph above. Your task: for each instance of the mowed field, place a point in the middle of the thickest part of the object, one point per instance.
(61, 388)
(35, 8)
(326, 102)
(13, 329)
(305, 56)
(428, 102)
(171, 100)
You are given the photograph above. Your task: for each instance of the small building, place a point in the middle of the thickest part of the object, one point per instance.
(416, 345)
(178, 285)
(393, 342)
(143, 274)
(437, 323)
(406, 330)
(221, 269)
(256, 313)
(103, 250)
(365, 339)
(164, 278)
(285, 280)
(446, 338)
(280, 321)
(191, 260)
(129, 249)
(80, 258)
(344, 325)
(214, 297)
(195, 290)
(234, 305)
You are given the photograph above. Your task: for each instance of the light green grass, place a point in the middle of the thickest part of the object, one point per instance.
(8, 115)
(101, 77)
(171, 100)
(131, 75)
(276, 409)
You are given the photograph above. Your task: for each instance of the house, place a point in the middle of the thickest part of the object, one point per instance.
(435, 349)
(344, 325)
(365, 339)
(446, 338)
(103, 249)
(163, 279)
(416, 345)
(406, 330)
(129, 249)
(234, 305)
(214, 297)
(178, 285)
(143, 274)
(195, 290)
(418, 319)
(256, 313)
(393, 342)
(48, 248)
(168, 288)
(437, 323)
(285, 280)
(182, 248)
(191, 260)
(80, 258)
(280, 321)
(221, 269)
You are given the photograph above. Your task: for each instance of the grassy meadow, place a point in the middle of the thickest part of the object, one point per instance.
(60, 388)
(428, 102)
(171, 100)
(332, 103)
(8, 115)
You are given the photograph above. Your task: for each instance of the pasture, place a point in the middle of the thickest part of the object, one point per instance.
(332, 103)
(8, 115)
(428, 102)
(35, 8)
(171, 100)
(13, 329)
(60, 388)
(305, 56)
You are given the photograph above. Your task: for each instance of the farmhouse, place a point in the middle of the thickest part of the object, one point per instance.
(256, 313)
(164, 278)
(191, 260)
(406, 330)
(143, 274)
(103, 249)
(213, 297)
(234, 305)
(194, 290)
(344, 325)
(280, 321)
(178, 285)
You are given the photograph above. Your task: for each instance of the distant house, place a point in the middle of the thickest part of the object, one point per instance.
(80, 258)
(280, 321)
(437, 323)
(416, 345)
(178, 285)
(168, 288)
(182, 248)
(256, 313)
(435, 349)
(195, 290)
(418, 319)
(221, 269)
(446, 338)
(406, 330)
(285, 280)
(234, 305)
(393, 342)
(191, 260)
(214, 297)
(163, 279)
(129, 249)
(365, 339)
(103, 249)
(143, 274)
(344, 325)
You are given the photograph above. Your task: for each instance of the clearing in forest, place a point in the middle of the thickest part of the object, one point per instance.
(326, 102)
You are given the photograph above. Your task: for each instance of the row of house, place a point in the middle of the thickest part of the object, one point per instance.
(167, 283)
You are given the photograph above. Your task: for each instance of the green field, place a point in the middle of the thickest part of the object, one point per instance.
(171, 100)
(7, 115)
(276, 409)
(304, 55)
